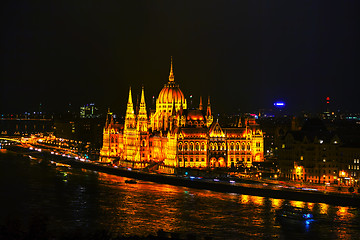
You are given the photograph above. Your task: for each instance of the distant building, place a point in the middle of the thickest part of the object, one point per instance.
(89, 111)
(179, 136)
(80, 129)
(314, 154)
(25, 124)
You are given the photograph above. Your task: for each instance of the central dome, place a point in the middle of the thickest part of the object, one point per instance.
(171, 93)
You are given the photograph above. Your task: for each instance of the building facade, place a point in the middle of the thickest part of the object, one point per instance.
(179, 136)
(314, 154)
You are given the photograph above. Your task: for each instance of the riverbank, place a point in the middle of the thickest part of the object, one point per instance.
(339, 200)
(211, 184)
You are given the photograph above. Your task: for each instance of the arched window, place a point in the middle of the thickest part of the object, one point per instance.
(185, 146)
(191, 146)
(180, 146)
(216, 147)
(202, 147)
(197, 146)
(231, 146)
(248, 147)
(143, 143)
(237, 146)
(243, 146)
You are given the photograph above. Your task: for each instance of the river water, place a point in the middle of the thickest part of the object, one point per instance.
(83, 200)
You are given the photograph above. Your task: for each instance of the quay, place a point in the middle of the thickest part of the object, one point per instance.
(206, 184)
(209, 184)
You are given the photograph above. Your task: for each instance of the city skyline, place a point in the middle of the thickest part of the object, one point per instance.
(245, 56)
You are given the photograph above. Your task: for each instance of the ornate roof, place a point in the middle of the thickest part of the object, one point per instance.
(195, 115)
(171, 91)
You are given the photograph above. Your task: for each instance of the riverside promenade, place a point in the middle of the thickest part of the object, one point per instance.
(233, 186)
(223, 186)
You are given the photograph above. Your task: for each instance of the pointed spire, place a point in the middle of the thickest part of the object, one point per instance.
(208, 110)
(142, 117)
(142, 110)
(171, 75)
(130, 106)
(130, 97)
(200, 104)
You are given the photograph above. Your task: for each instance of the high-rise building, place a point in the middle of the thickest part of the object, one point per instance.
(179, 136)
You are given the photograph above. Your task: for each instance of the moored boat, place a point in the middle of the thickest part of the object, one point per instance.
(294, 215)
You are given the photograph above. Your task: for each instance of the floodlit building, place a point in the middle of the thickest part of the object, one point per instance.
(179, 136)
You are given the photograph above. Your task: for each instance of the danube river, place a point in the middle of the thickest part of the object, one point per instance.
(70, 200)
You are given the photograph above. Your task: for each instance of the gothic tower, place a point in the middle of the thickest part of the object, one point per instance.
(131, 137)
(142, 119)
(209, 118)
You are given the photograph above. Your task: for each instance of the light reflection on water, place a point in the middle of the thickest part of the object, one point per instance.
(89, 201)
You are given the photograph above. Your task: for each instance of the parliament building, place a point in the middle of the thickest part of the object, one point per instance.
(177, 136)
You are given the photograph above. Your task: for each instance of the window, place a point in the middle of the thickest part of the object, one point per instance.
(197, 146)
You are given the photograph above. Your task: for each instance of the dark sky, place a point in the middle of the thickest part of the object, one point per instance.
(244, 54)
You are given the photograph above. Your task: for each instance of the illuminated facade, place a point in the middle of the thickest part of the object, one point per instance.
(180, 137)
(313, 154)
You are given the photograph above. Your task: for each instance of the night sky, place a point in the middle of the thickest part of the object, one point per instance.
(244, 54)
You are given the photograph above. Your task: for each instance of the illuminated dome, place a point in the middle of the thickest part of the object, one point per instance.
(171, 93)
(195, 115)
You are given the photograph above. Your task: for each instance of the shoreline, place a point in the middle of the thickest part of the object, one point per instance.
(315, 197)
